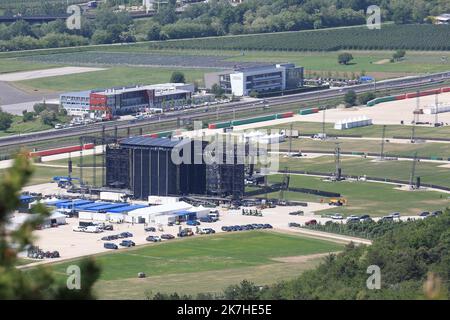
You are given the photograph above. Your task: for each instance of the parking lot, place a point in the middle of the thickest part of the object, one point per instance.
(71, 244)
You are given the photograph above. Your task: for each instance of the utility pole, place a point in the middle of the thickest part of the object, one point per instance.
(382, 142)
(436, 110)
(323, 123)
(413, 171)
(337, 162)
(290, 140)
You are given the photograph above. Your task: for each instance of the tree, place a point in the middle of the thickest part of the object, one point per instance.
(6, 119)
(48, 117)
(39, 107)
(398, 55)
(350, 98)
(365, 97)
(217, 90)
(177, 77)
(345, 58)
(27, 116)
(15, 284)
(244, 291)
(253, 94)
(153, 32)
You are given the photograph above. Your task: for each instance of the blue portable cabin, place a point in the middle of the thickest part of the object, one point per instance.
(91, 205)
(26, 199)
(55, 203)
(73, 204)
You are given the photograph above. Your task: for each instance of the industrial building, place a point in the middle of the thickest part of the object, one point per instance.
(145, 166)
(106, 103)
(260, 79)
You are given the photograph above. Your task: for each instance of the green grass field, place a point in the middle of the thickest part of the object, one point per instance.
(373, 131)
(429, 149)
(429, 172)
(14, 65)
(117, 76)
(367, 197)
(198, 263)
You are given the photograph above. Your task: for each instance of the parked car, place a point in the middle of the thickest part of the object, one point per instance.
(192, 223)
(206, 231)
(294, 224)
(267, 226)
(436, 213)
(78, 229)
(153, 239)
(107, 238)
(167, 236)
(296, 213)
(207, 219)
(311, 222)
(93, 229)
(395, 215)
(424, 214)
(125, 235)
(386, 218)
(185, 233)
(127, 243)
(337, 216)
(150, 229)
(110, 245)
(224, 228)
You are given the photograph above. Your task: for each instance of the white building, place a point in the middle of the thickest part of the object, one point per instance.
(261, 79)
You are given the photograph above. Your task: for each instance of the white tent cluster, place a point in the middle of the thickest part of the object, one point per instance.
(353, 123)
(262, 137)
(439, 109)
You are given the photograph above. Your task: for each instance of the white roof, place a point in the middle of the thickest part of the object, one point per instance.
(161, 209)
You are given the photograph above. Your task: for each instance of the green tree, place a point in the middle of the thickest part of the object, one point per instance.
(14, 283)
(217, 90)
(398, 55)
(39, 107)
(177, 77)
(365, 97)
(153, 32)
(6, 119)
(350, 98)
(48, 117)
(345, 58)
(246, 290)
(27, 116)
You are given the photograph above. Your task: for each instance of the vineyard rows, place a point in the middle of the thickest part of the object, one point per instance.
(409, 37)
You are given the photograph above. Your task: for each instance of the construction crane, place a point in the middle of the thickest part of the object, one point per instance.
(383, 134)
(413, 171)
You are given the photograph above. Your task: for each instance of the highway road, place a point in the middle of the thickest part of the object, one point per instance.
(228, 108)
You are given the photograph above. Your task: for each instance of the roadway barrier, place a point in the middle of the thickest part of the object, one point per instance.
(240, 122)
(410, 95)
(51, 152)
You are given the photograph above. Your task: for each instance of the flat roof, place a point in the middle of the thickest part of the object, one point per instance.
(126, 208)
(108, 206)
(73, 203)
(153, 142)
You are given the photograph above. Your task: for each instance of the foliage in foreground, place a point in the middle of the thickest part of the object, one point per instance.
(413, 257)
(39, 283)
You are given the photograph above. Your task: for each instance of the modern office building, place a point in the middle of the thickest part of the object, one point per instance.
(106, 103)
(261, 79)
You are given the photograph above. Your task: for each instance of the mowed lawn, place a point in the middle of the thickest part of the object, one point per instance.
(429, 172)
(113, 77)
(206, 253)
(429, 149)
(366, 197)
(374, 131)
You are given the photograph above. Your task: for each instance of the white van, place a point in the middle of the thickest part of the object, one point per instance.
(93, 229)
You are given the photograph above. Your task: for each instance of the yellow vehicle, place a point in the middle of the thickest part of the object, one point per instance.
(337, 202)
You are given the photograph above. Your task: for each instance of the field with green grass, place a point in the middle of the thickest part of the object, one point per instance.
(373, 131)
(429, 149)
(429, 172)
(203, 264)
(113, 77)
(20, 127)
(15, 65)
(366, 197)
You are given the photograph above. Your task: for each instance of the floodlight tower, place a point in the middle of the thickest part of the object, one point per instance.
(436, 110)
(413, 171)
(383, 134)
(290, 140)
(337, 162)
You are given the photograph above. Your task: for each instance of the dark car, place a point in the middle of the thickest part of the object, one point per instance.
(127, 243)
(296, 213)
(109, 245)
(311, 222)
(108, 227)
(107, 238)
(192, 223)
(364, 217)
(206, 219)
(224, 228)
(209, 230)
(167, 236)
(114, 237)
(387, 218)
(293, 224)
(424, 214)
(125, 235)
(436, 213)
(268, 226)
(152, 239)
(150, 229)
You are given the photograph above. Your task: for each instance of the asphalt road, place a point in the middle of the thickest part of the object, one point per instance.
(400, 83)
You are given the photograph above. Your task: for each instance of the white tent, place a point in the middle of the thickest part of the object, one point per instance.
(149, 213)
